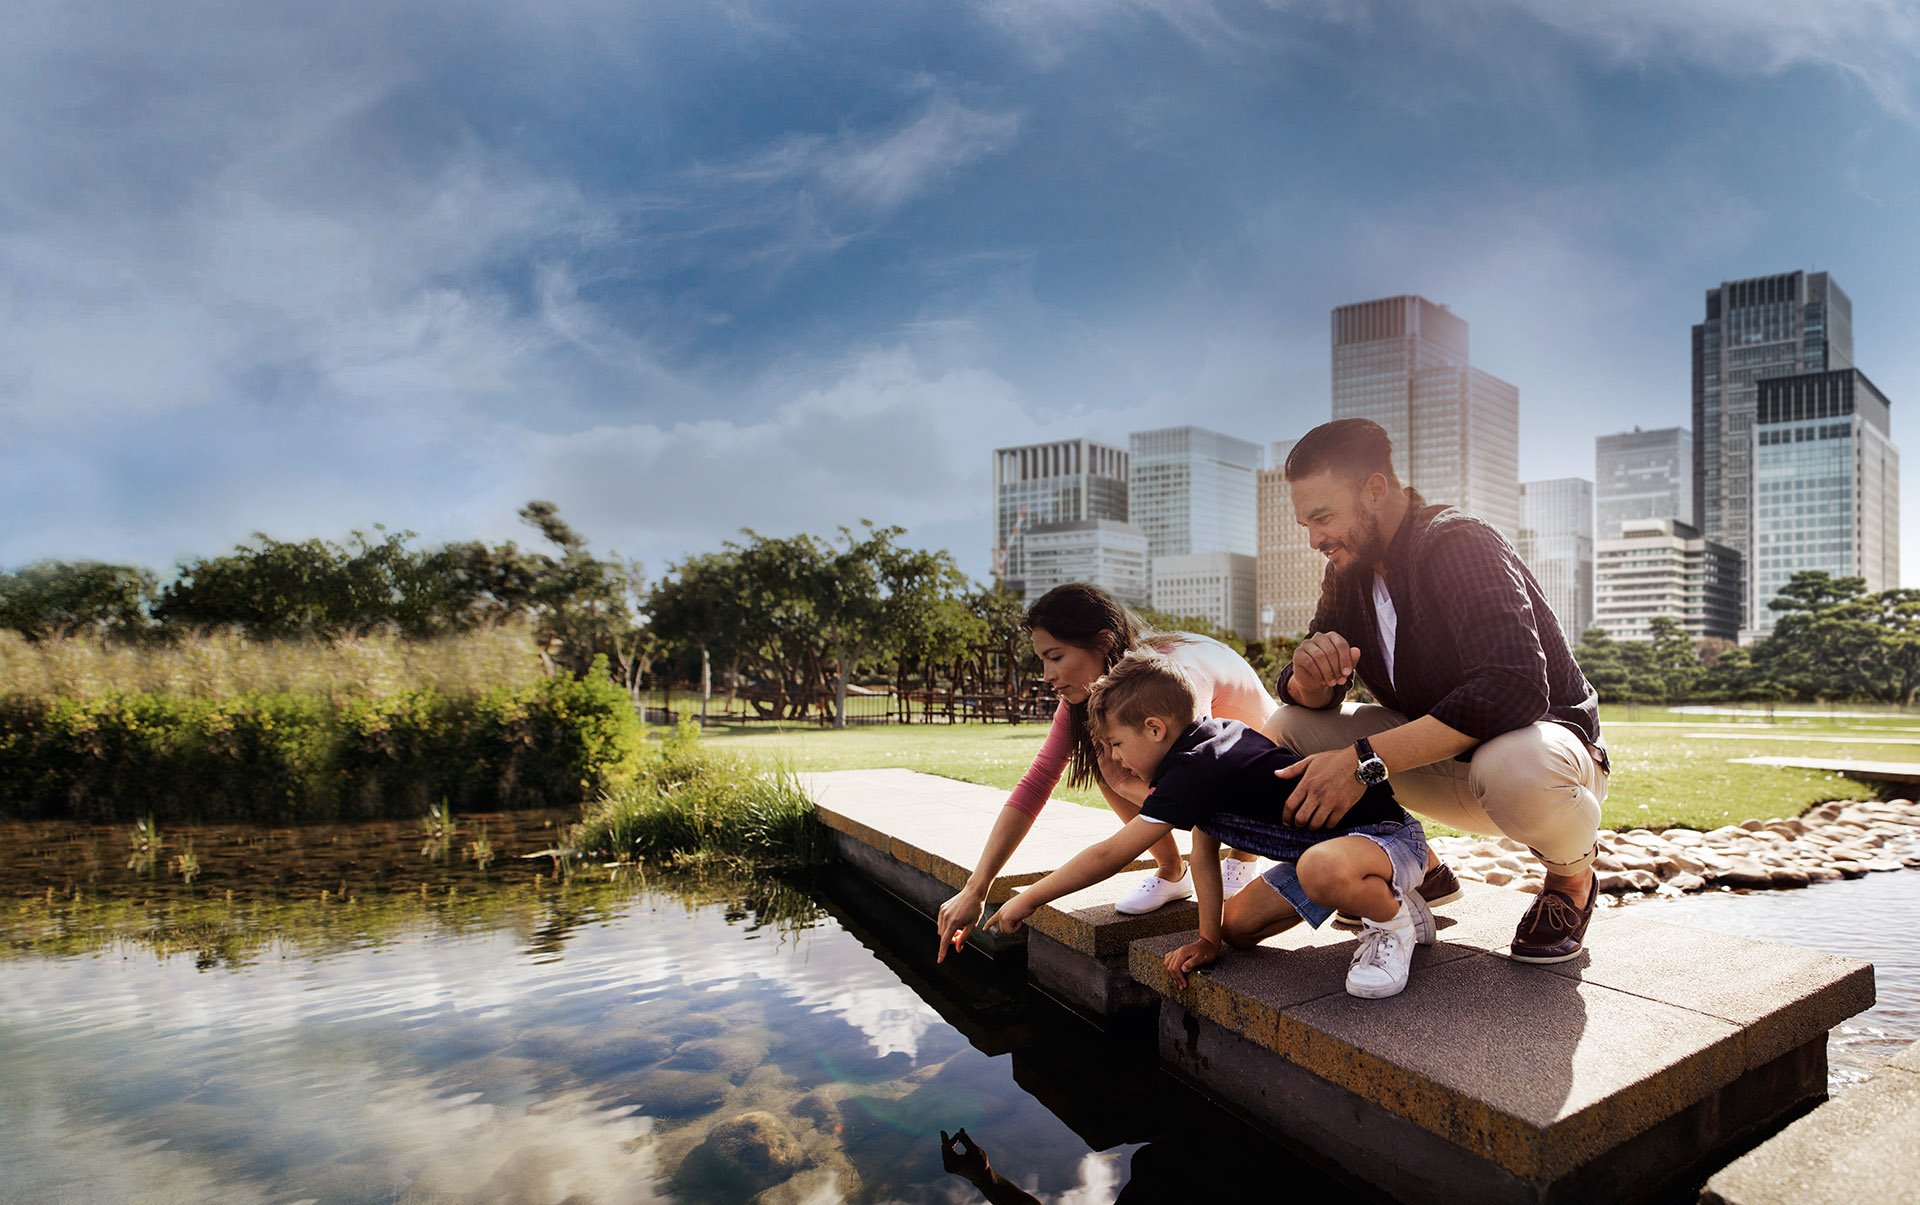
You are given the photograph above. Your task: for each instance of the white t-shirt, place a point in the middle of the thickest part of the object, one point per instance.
(1388, 620)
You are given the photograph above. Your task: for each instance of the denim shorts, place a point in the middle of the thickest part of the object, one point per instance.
(1406, 846)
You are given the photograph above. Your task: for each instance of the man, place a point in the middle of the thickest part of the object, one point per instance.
(1484, 722)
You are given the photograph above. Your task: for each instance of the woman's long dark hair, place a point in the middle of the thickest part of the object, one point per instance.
(1087, 617)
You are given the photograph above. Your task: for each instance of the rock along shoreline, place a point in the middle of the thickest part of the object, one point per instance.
(1841, 840)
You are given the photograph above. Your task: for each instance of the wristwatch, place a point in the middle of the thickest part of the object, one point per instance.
(1371, 769)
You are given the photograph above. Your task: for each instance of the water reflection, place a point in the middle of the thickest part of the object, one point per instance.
(510, 1034)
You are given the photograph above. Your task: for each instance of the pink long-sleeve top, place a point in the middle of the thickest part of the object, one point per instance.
(1227, 686)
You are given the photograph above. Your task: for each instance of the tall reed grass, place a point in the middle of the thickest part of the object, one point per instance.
(299, 757)
(691, 803)
(221, 665)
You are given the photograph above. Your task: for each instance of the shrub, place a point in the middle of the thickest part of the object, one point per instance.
(690, 802)
(280, 757)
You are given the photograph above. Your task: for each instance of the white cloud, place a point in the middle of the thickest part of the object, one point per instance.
(1874, 42)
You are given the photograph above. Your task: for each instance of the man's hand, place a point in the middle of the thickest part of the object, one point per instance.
(1323, 662)
(1011, 916)
(1191, 957)
(957, 918)
(1326, 790)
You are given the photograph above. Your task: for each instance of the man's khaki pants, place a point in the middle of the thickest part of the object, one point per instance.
(1538, 785)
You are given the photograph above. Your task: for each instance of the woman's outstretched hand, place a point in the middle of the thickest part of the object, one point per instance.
(957, 918)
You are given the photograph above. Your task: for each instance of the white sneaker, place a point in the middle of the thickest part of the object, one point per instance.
(1384, 956)
(1151, 892)
(1235, 874)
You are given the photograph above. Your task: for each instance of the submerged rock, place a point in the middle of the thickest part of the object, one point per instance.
(741, 1157)
(665, 1092)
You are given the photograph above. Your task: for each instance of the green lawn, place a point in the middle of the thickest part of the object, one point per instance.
(1661, 777)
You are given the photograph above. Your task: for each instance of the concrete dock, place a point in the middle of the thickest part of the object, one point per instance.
(1658, 1055)
(1864, 1146)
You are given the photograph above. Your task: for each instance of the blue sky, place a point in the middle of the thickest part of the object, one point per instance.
(688, 268)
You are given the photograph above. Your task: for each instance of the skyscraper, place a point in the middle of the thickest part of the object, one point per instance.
(1643, 475)
(1066, 481)
(1826, 485)
(1288, 571)
(1192, 490)
(1109, 554)
(1402, 362)
(1767, 326)
(1556, 543)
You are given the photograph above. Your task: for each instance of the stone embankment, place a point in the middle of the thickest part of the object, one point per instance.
(1831, 841)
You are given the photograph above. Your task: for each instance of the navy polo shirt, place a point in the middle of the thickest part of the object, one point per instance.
(1219, 778)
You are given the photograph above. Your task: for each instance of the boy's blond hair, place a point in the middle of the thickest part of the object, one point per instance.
(1140, 684)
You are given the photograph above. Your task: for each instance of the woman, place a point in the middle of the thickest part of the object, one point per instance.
(1078, 632)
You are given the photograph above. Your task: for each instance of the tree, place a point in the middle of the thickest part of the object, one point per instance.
(53, 599)
(1826, 641)
(582, 606)
(695, 609)
(879, 599)
(1899, 618)
(1673, 663)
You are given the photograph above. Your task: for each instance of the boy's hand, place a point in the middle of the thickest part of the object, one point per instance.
(1011, 916)
(1191, 957)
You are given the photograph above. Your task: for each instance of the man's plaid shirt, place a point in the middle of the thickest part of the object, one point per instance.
(1477, 646)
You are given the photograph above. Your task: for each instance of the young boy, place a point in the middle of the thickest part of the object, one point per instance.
(1217, 778)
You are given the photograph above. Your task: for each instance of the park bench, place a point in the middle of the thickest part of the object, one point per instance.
(1658, 1055)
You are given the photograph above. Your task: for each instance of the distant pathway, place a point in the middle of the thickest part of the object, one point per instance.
(1797, 738)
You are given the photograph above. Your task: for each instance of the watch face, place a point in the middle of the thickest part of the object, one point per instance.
(1371, 771)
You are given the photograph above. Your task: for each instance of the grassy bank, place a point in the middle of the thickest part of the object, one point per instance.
(1671, 768)
(691, 802)
(354, 732)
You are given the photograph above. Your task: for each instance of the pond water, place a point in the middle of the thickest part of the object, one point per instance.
(438, 1026)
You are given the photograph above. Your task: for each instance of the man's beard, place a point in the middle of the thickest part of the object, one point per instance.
(1366, 545)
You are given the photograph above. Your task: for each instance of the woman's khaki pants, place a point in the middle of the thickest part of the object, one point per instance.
(1538, 785)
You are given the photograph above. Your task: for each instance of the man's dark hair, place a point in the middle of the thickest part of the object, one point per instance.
(1352, 448)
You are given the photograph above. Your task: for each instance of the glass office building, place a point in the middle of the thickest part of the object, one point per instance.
(1642, 475)
(1826, 484)
(1192, 491)
(1768, 326)
(1556, 543)
(1111, 555)
(1403, 362)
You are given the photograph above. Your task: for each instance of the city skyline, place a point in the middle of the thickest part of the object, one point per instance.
(695, 269)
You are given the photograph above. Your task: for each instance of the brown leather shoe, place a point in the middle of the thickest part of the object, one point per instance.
(1439, 887)
(1552, 929)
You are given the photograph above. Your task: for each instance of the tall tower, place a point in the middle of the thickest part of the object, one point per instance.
(1556, 543)
(1070, 480)
(1192, 490)
(1402, 362)
(1767, 326)
(1826, 485)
